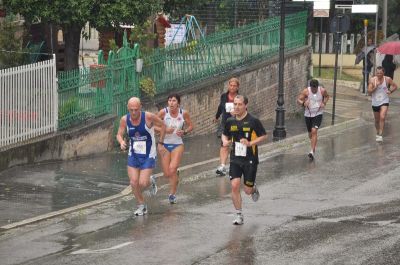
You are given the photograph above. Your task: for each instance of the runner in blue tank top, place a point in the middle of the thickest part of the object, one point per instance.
(139, 127)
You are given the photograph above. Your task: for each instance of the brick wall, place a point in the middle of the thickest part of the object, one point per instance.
(258, 82)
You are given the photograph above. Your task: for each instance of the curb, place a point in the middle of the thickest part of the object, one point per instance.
(265, 150)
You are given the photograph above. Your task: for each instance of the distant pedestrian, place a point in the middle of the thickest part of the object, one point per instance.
(388, 65)
(244, 132)
(379, 90)
(139, 127)
(226, 109)
(313, 98)
(178, 123)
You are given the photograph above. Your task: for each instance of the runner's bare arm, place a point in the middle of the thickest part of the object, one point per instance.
(188, 122)
(257, 140)
(325, 96)
(372, 85)
(157, 122)
(302, 98)
(161, 115)
(393, 85)
(121, 132)
(225, 140)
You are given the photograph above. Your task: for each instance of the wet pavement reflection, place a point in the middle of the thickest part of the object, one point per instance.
(28, 191)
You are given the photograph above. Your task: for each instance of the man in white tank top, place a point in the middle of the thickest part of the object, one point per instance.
(378, 89)
(313, 99)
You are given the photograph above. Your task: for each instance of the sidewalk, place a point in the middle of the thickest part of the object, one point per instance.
(29, 191)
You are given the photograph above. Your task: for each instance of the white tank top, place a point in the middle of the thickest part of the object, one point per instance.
(380, 96)
(176, 123)
(314, 107)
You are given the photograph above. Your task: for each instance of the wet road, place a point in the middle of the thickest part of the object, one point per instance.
(33, 190)
(344, 208)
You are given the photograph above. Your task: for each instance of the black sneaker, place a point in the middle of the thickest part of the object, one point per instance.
(221, 171)
(311, 156)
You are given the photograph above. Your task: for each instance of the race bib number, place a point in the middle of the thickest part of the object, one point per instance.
(380, 96)
(314, 102)
(228, 106)
(240, 149)
(139, 147)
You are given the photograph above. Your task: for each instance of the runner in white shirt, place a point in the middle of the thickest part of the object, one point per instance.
(313, 99)
(378, 88)
(178, 123)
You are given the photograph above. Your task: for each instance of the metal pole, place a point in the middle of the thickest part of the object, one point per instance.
(376, 36)
(338, 42)
(320, 47)
(235, 15)
(384, 18)
(279, 132)
(365, 54)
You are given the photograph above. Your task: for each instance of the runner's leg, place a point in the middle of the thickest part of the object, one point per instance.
(134, 174)
(176, 157)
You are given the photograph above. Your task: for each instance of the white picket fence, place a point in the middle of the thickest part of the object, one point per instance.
(28, 102)
(349, 42)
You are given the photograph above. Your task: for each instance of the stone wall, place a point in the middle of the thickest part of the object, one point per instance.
(88, 139)
(259, 82)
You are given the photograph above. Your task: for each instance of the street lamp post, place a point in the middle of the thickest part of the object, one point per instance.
(279, 132)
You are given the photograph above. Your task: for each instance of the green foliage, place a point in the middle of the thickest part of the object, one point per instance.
(100, 13)
(72, 15)
(140, 34)
(69, 108)
(113, 45)
(11, 52)
(148, 86)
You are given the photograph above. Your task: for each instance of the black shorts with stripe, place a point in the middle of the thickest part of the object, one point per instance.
(247, 168)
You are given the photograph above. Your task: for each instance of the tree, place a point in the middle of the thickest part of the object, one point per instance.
(72, 15)
(11, 53)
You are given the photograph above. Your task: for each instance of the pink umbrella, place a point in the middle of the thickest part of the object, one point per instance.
(390, 47)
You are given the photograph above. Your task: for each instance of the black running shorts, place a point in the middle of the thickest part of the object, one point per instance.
(313, 122)
(246, 168)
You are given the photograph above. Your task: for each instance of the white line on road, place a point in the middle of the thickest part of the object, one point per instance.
(95, 251)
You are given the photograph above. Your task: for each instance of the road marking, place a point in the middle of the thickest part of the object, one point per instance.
(96, 251)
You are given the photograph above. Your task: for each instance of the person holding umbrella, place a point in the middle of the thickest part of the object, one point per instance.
(389, 65)
(389, 48)
(378, 89)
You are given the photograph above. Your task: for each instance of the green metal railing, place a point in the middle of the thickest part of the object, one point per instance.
(100, 89)
(176, 67)
(105, 88)
(82, 95)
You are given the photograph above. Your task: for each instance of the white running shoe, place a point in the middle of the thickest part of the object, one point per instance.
(141, 210)
(221, 171)
(239, 219)
(379, 138)
(256, 194)
(153, 185)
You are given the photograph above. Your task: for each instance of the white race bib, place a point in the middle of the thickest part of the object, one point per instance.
(228, 106)
(314, 103)
(139, 147)
(240, 149)
(380, 95)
